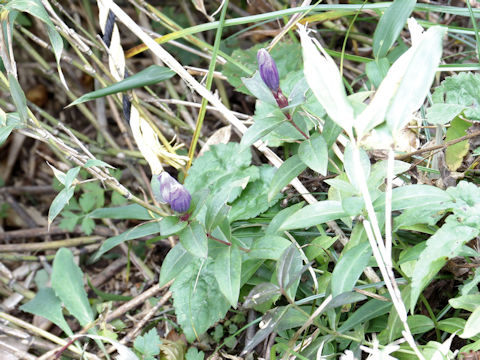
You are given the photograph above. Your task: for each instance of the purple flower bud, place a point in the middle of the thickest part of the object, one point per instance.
(268, 70)
(173, 193)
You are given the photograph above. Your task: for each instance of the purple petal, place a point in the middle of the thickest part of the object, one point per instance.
(268, 70)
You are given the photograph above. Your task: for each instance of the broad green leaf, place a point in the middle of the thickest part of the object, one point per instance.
(324, 79)
(290, 169)
(454, 154)
(18, 97)
(149, 76)
(269, 247)
(451, 325)
(253, 200)
(472, 326)
(132, 211)
(257, 88)
(458, 91)
(261, 294)
(439, 114)
(194, 239)
(446, 243)
(390, 25)
(171, 225)
(370, 310)
(413, 196)
(174, 263)
(48, 305)
(349, 268)
(261, 128)
(139, 231)
(314, 214)
(466, 302)
(60, 201)
(420, 324)
(314, 153)
(277, 221)
(67, 282)
(148, 344)
(417, 78)
(197, 299)
(107, 296)
(228, 269)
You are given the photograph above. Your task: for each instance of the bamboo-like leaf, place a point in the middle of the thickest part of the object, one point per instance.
(149, 76)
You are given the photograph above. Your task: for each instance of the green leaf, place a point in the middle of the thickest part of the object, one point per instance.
(87, 202)
(174, 263)
(197, 299)
(254, 199)
(263, 126)
(446, 243)
(269, 247)
(314, 214)
(194, 354)
(314, 153)
(459, 90)
(194, 239)
(290, 169)
(97, 162)
(452, 325)
(139, 231)
(420, 324)
(440, 114)
(349, 268)
(273, 227)
(413, 196)
(349, 162)
(148, 344)
(289, 270)
(390, 25)
(261, 294)
(171, 225)
(454, 154)
(466, 302)
(5, 133)
(228, 269)
(60, 201)
(149, 76)
(370, 310)
(377, 70)
(87, 225)
(416, 78)
(49, 306)
(257, 88)
(67, 282)
(472, 326)
(132, 211)
(18, 97)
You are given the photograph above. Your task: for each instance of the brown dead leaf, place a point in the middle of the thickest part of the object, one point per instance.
(221, 136)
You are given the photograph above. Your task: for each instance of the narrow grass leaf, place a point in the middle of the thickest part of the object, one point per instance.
(18, 97)
(350, 267)
(290, 169)
(149, 76)
(314, 153)
(5, 133)
(390, 25)
(228, 269)
(370, 310)
(314, 214)
(67, 281)
(60, 201)
(132, 211)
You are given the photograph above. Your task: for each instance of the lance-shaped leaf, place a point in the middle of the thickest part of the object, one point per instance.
(149, 76)
(407, 82)
(325, 81)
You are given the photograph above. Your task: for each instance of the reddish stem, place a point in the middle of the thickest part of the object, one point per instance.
(225, 242)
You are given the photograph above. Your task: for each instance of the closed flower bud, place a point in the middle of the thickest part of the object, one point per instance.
(268, 70)
(173, 193)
